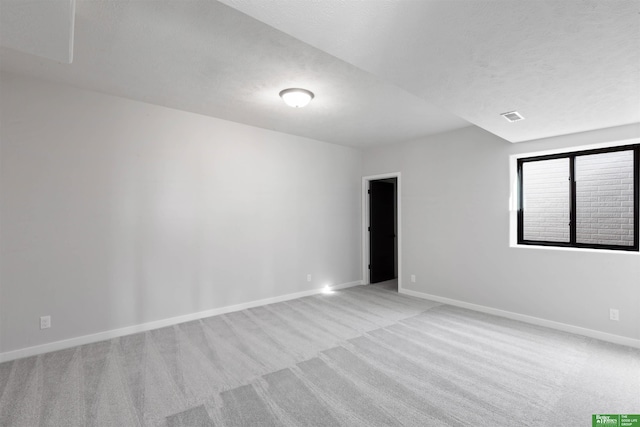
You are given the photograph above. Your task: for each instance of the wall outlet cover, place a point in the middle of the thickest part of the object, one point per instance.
(614, 314)
(45, 322)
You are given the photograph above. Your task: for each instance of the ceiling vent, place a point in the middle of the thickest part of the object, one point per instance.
(512, 116)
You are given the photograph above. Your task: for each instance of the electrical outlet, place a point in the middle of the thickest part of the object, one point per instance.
(413, 278)
(308, 277)
(614, 314)
(45, 322)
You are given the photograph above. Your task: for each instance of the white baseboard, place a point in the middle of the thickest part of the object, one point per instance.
(143, 327)
(591, 333)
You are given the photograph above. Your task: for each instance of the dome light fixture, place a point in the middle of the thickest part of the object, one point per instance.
(296, 97)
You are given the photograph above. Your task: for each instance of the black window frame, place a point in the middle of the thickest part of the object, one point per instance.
(572, 199)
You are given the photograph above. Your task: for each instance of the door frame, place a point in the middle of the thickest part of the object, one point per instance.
(365, 224)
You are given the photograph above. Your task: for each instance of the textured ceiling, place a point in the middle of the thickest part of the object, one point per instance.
(208, 58)
(383, 71)
(39, 27)
(567, 65)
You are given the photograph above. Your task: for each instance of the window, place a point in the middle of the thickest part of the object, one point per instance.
(584, 199)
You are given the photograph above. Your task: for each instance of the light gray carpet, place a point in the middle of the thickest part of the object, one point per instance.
(362, 356)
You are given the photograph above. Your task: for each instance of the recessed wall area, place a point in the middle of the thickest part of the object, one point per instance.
(458, 213)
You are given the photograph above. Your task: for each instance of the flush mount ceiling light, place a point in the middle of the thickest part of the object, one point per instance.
(512, 116)
(296, 97)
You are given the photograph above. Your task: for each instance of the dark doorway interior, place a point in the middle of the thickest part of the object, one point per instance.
(383, 230)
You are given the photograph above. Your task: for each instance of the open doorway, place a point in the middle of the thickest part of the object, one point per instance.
(381, 231)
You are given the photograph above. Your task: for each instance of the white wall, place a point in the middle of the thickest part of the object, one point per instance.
(455, 234)
(116, 213)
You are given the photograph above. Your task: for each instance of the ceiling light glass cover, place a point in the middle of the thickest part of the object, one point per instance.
(296, 97)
